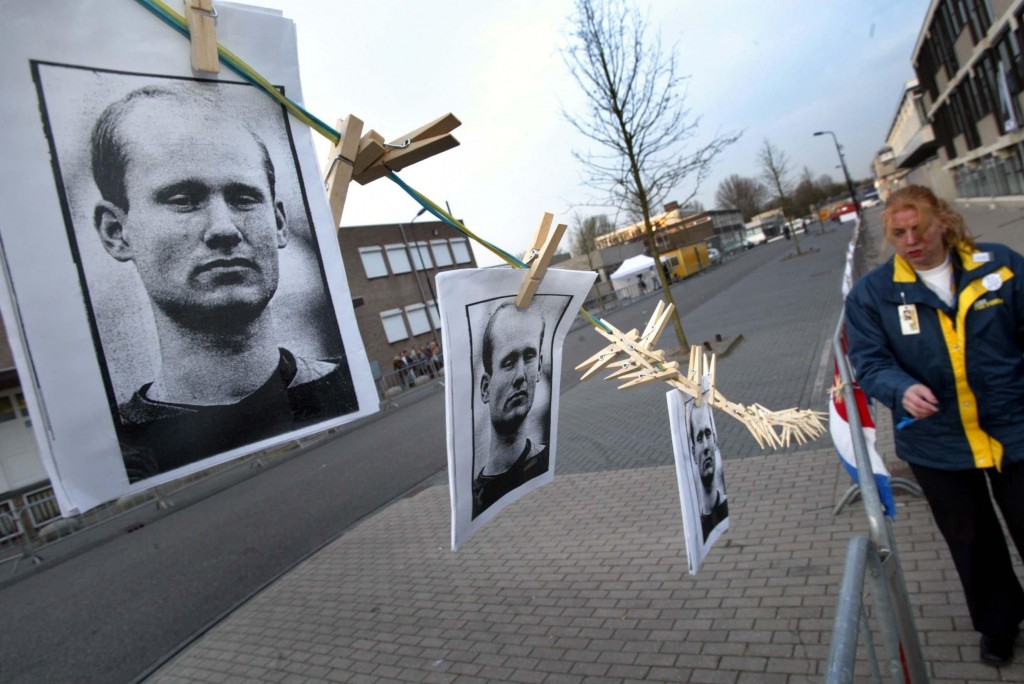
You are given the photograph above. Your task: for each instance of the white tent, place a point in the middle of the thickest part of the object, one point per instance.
(641, 263)
(625, 276)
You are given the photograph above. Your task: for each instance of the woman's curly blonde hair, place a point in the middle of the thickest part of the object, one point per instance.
(928, 206)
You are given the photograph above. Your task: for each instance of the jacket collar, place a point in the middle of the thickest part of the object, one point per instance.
(962, 257)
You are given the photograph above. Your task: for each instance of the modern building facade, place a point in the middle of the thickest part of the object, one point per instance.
(391, 271)
(970, 78)
(911, 154)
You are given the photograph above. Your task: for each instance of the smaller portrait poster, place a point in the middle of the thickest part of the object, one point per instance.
(502, 368)
(699, 474)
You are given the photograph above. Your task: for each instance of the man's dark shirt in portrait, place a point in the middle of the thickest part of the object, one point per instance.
(719, 512)
(489, 488)
(158, 436)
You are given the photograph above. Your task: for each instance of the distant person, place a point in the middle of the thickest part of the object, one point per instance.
(188, 196)
(512, 364)
(641, 282)
(936, 334)
(707, 463)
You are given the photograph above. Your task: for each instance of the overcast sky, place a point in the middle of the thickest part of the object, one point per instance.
(778, 70)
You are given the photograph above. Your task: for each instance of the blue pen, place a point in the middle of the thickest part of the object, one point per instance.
(905, 422)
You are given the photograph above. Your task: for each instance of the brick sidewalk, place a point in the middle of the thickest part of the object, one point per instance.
(586, 581)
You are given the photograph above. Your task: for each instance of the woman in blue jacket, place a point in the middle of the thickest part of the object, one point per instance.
(936, 334)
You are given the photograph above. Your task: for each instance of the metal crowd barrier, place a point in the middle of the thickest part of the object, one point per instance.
(873, 559)
(396, 382)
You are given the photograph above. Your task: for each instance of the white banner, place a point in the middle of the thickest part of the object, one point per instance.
(502, 374)
(175, 295)
(700, 475)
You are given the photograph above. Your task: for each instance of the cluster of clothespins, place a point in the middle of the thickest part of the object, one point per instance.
(636, 360)
(365, 158)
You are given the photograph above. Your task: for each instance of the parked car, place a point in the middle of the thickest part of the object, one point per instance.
(843, 212)
(714, 256)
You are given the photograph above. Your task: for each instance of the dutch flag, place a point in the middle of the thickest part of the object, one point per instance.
(839, 426)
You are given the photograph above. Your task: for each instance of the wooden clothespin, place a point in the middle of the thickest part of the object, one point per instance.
(376, 158)
(598, 361)
(371, 148)
(658, 323)
(622, 367)
(545, 242)
(711, 381)
(658, 308)
(647, 375)
(202, 29)
(695, 372)
(340, 164)
(367, 158)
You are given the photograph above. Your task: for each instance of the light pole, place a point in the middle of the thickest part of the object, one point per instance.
(415, 273)
(846, 172)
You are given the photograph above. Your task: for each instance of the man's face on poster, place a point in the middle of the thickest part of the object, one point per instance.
(202, 224)
(703, 441)
(509, 385)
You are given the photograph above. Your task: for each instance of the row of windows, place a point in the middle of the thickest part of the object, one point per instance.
(419, 255)
(938, 50)
(414, 322)
(989, 87)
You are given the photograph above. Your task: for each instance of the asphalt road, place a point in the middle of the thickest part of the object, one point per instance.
(688, 294)
(113, 612)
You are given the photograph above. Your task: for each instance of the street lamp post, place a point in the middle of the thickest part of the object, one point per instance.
(846, 172)
(415, 273)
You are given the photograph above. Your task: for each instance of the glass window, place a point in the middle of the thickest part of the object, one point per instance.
(421, 255)
(394, 325)
(417, 315)
(460, 248)
(442, 255)
(980, 18)
(373, 261)
(398, 258)
(1011, 48)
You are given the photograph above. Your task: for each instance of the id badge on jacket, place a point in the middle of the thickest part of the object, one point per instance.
(909, 324)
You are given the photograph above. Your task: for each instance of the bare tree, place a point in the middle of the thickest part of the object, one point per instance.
(584, 235)
(692, 207)
(636, 113)
(805, 194)
(776, 173)
(583, 240)
(745, 195)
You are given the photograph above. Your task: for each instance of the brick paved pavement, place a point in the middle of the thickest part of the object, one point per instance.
(585, 580)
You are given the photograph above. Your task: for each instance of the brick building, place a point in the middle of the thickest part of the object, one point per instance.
(391, 277)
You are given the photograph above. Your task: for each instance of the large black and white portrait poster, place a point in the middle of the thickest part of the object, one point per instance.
(174, 292)
(699, 474)
(502, 368)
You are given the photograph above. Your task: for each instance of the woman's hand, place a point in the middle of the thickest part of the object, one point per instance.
(919, 401)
